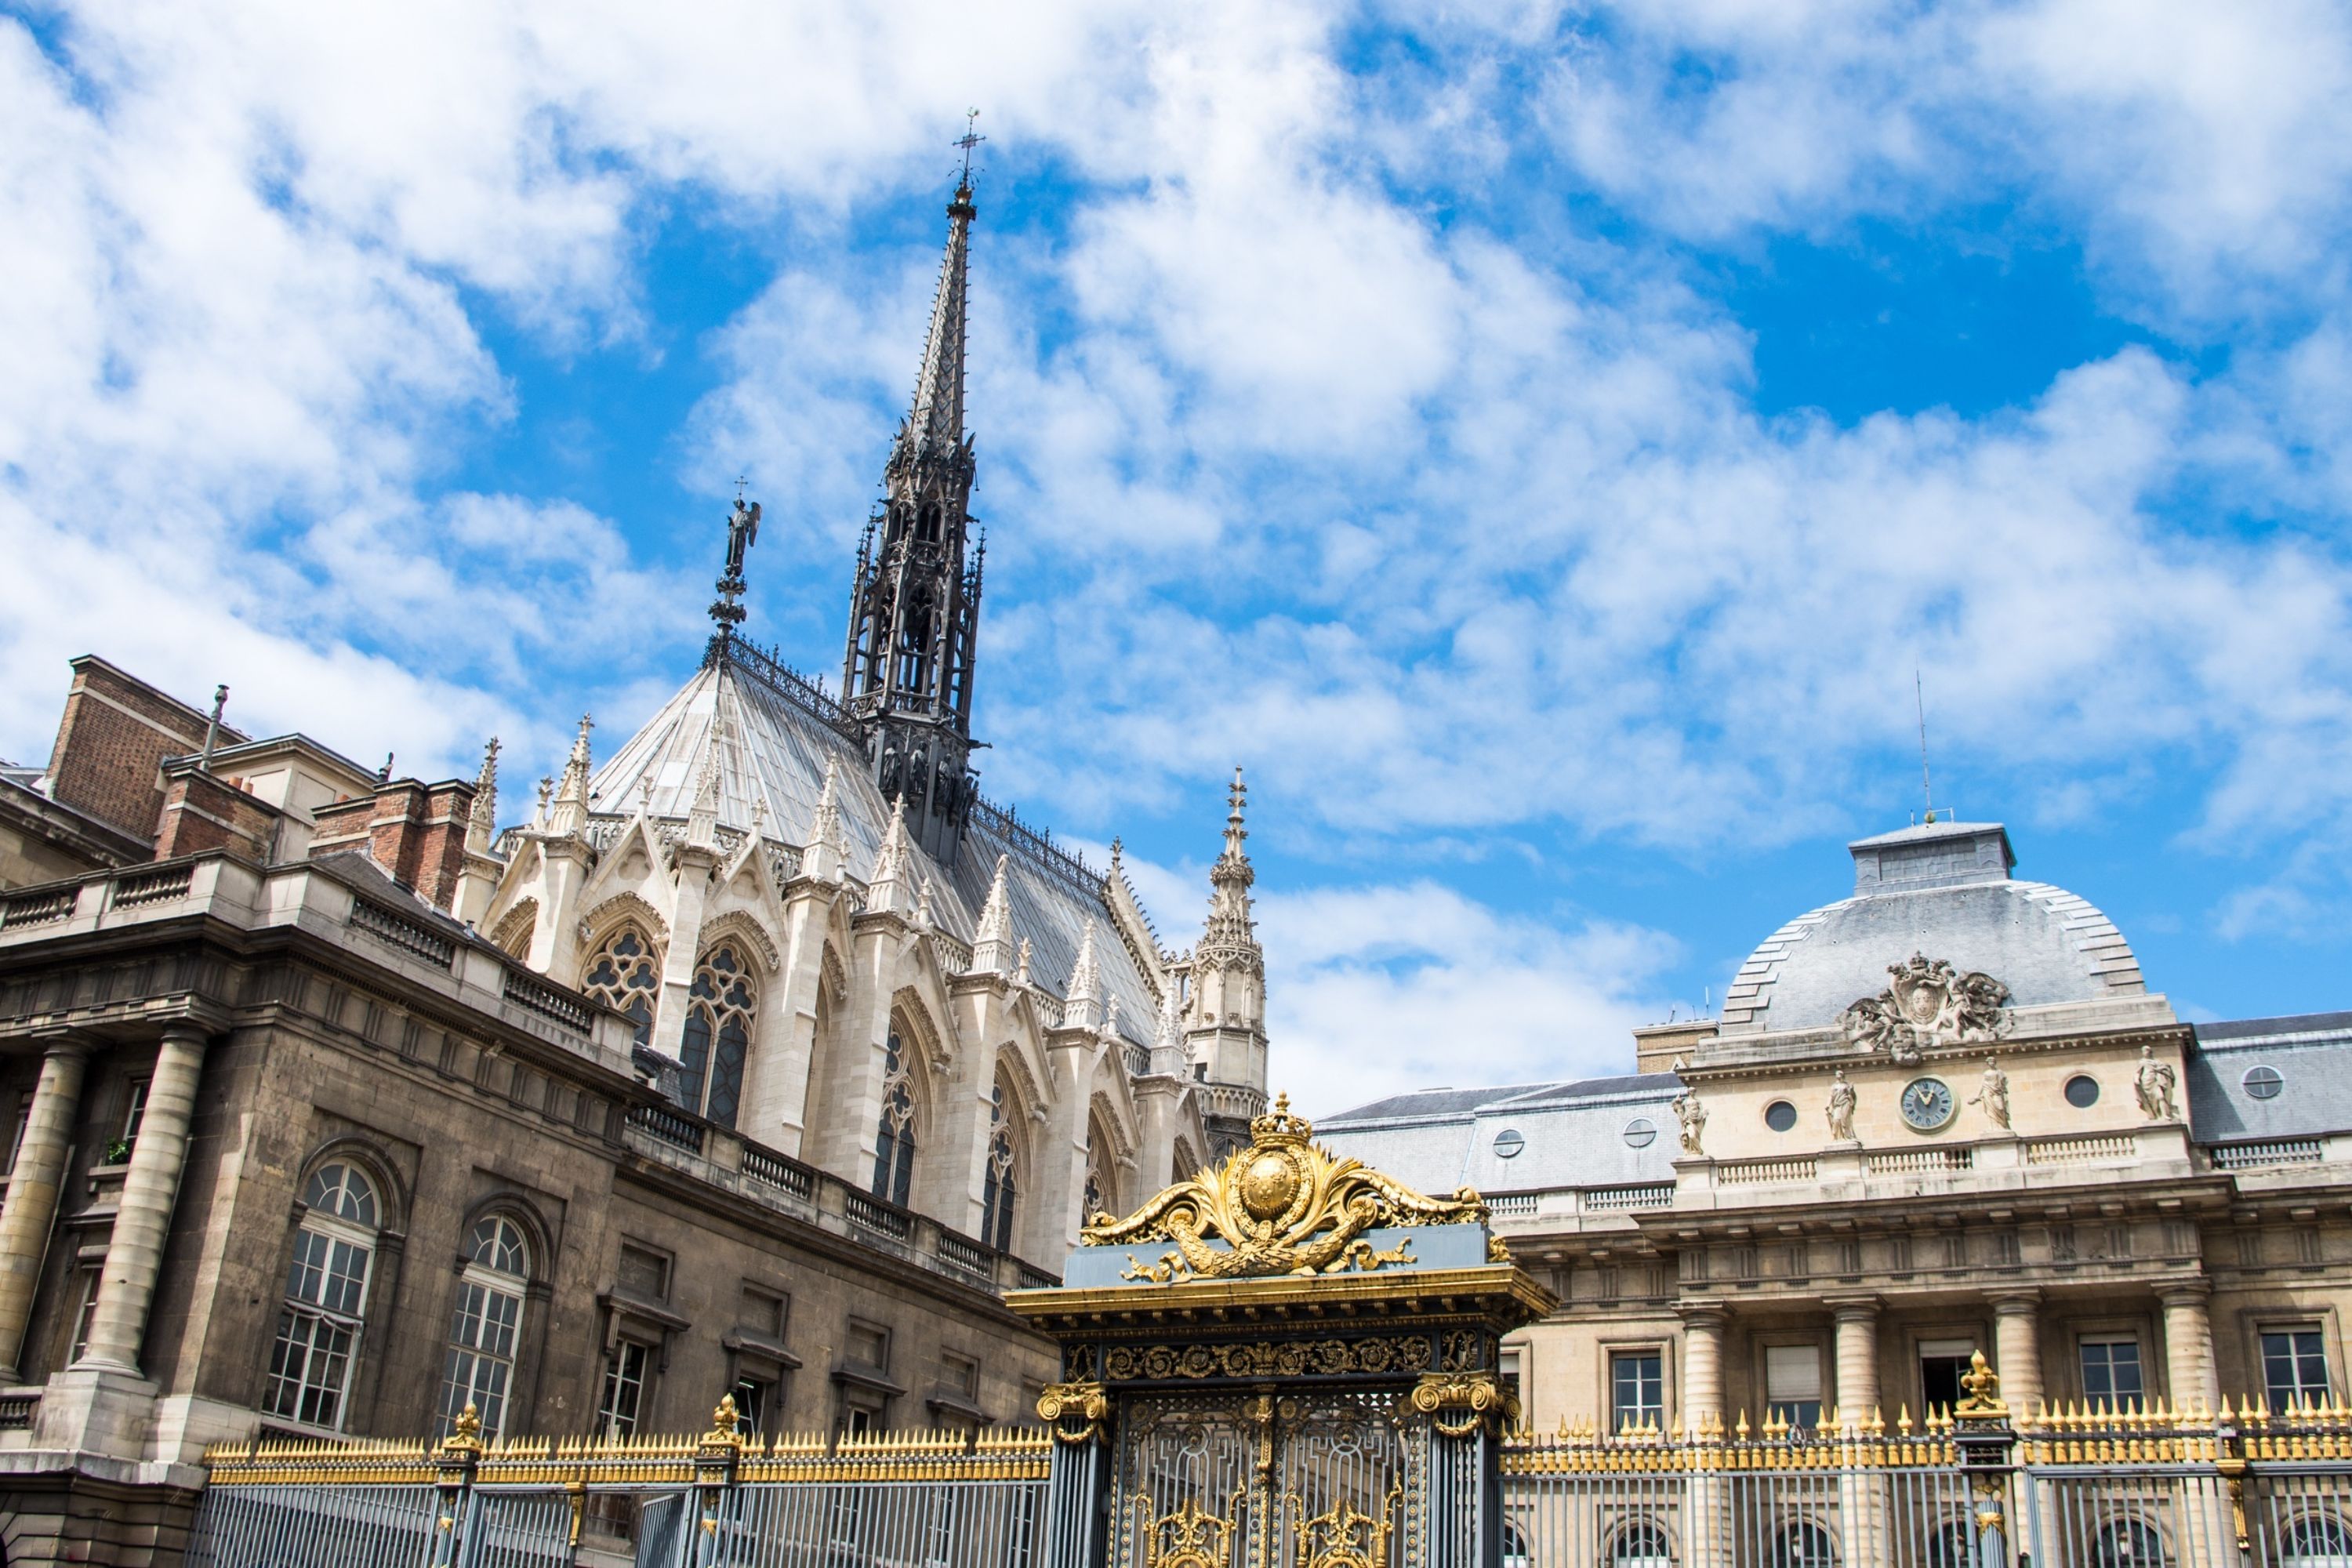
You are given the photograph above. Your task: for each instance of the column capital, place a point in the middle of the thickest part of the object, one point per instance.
(1862, 1308)
(66, 1042)
(185, 1031)
(2017, 1303)
(2185, 1293)
(1701, 1314)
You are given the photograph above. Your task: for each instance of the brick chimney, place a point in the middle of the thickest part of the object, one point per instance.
(415, 831)
(204, 811)
(111, 742)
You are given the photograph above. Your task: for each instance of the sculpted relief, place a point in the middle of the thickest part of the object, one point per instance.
(1928, 1003)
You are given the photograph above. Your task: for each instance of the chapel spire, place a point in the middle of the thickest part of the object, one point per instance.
(914, 607)
(1224, 1034)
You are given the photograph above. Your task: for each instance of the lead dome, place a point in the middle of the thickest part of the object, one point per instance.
(1944, 891)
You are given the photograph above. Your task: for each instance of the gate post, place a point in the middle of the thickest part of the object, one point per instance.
(716, 1461)
(1288, 1358)
(1981, 1439)
(455, 1461)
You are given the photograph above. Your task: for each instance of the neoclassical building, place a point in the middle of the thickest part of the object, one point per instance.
(1944, 1114)
(764, 1055)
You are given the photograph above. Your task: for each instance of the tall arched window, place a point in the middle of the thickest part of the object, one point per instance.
(894, 1147)
(624, 976)
(326, 1299)
(718, 1034)
(485, 1325)
(996, 1195)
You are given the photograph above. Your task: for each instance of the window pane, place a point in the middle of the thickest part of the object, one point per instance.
(694, 1054)
(1637, 1388)
(2294, 1368)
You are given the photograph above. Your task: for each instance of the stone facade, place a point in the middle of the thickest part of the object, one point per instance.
(1797, 1208)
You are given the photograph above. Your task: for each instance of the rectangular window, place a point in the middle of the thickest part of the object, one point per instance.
(1637, 1389)
(2111, 1374)
(480, 1364)
(23, 1121)
(84, 1314)
(644, 1273)
(319, 1328)
(752, 1398)
(2294, 1368)
(1942, 1365)
(869, 1346)
(961, 1374)
(1793, 1384)
(762, 1313)
(1506, 1368)
(136, 1111)
(624, 1390)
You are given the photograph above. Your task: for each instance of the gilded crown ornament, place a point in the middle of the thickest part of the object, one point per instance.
(1282, 1206)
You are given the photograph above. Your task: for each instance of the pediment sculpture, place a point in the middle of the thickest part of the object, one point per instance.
(1282, 1206)
(1928, 1003)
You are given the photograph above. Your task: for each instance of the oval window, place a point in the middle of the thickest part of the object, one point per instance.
(1779, 1116)
(1509, 1143)
(2082, 1091)
(2262, 1082)
(1641, 1132)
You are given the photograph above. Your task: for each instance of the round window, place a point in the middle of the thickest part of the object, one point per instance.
(1509, 1143)
(1641, 1132)
(2262, 1082)
(1779, 1116)
(2082, 1091)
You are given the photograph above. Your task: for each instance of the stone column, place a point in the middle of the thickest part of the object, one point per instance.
(134, 1253)
(2189, 1348)
(1857, 1361)
(1702, 1390)
(31, 1206)
(2017, 1352)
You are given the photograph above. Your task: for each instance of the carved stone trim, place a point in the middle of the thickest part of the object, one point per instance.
(1928, 1003)
(736, 923)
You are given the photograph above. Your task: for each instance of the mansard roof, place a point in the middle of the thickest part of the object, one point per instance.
(773, 732)
(1571, 1134)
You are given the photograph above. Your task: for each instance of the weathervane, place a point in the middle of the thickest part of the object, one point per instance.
(971, 138)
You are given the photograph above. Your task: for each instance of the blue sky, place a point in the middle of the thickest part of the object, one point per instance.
(1541, 442)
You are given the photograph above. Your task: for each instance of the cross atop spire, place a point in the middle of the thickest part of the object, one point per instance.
(971, 138)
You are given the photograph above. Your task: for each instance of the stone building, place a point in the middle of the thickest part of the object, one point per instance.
(1946, 1114)
(763, 1057)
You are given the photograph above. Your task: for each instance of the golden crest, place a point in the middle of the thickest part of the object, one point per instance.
(1191, 1537)
(1344, 1538)
(1282, 1206)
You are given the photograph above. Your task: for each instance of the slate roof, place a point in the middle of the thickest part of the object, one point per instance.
(778, 732)
(2311, 1054)
(1571, 1134)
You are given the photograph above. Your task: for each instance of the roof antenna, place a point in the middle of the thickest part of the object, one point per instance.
(1927, 789)
(971, 138)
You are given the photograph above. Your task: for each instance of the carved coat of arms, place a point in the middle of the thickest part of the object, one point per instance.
(1928, 1003)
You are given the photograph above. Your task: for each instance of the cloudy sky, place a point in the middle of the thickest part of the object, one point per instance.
(1540, 442)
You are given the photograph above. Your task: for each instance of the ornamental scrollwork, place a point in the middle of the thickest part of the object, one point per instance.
(1073, 1411)
(1191, 1537)
(1458, 1404)
(1277, 1358)
(1928, 1003)
(1282, 1206)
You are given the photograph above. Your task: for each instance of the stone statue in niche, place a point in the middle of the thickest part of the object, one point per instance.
(1692, 1114)
(2154, 1081)
(1992, 1095)
(1928, 1003)
(1841, 1108)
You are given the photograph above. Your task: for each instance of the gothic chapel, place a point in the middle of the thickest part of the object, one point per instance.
(828, 941)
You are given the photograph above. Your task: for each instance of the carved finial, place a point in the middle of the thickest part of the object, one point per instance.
(1086, 984)
(481, 821)
(1021, 973)
(923, 903)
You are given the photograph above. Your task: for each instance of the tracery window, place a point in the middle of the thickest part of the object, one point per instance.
(894, 1147)
(326, 1299)
(1094, 1201)
(997, 1194)
(484, 1329)
(625, 975)
(718, 1034)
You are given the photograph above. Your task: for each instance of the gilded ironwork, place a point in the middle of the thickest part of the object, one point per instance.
(1343, 1537)
(1188, 1538)
(1073, 1411)
(1282, 1206)
(1458, 1404)
(1267, 1358)
(1980, 1390)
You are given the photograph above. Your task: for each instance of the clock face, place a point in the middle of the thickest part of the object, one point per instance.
(1927, 1103)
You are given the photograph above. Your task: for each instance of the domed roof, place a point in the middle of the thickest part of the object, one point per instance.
(1941, 889)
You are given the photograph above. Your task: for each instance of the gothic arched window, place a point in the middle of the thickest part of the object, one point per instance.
(484, 1329)
(997, 1193)
(326, 1299)
(1095, 1200)
(718, 1034)
(894, 1148)
(626, 977)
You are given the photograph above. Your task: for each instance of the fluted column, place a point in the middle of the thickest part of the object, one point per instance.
(1857, 1361)
(1702, 1390)
(32, 1204)
(2017, 1351)
(134, 1253)
(2189, 1348)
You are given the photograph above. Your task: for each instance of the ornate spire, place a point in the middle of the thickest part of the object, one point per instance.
(992, 941)
(1168, 1033)
(570, 812)
(889, 862)
(1231, 877)
(914, 607)
(1083, 1007)
(727, 610)
(1227, 1030)
(481, 825)
(828, 840)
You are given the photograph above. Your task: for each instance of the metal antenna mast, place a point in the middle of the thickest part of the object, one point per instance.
(1927, 788)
